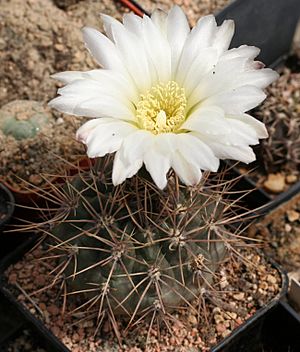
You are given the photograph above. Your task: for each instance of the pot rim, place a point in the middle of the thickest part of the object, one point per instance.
(10, 201)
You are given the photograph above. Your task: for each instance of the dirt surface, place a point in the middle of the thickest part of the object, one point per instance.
(23, 160)
(25, 342)
(242, 285)
(194, 9)
(37, 39)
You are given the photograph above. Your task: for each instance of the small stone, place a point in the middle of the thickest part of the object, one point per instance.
(59, 47)
(239, 296)
(193, 319)
(232, 315)
(218, 318)
(226, 333)
(35, 179)
(53, 309)
(293, 215)
(291, 179)
(275, 183)
(271, 279)
(220, 328)
(288, 228)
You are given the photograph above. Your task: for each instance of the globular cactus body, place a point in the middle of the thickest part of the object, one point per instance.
(133, 249)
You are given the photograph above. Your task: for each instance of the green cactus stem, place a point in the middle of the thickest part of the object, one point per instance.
(133, 250)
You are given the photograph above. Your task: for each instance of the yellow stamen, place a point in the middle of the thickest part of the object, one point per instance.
(162, 108)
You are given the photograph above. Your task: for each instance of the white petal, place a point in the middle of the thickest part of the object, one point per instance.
(223, 151)
(94, 107)
(134, 56)
(257, 125)
(133, 23)
(237, 100)
(122, 170)
(68, 76)
(188, 173)
(109, 79)
(177, 32)
(159, 18)
(136, 145)
(208, 120)
(246, 51)
(200, 67)
(158, 49)
(108, 21)
(157, 164)
(196, 152)
(220, 78)
(104, 138)
(200, 37)
(103, 50)
(241, 133)
(258, 78)
(224, 36)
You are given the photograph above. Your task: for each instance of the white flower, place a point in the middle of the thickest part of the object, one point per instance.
(167, 96)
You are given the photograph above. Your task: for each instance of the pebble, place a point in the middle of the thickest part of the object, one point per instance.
(275, 183)
(290, 179)
(239, 296)
(293, 215)
(271, 279)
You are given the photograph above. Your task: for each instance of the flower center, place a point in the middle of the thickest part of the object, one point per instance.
(162, 108)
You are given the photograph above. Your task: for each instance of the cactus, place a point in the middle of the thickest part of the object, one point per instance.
(133, 250)
(280, 114)
(23, 119)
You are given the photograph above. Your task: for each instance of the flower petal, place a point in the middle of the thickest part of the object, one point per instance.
(103, 50)
(177, 33)
(237, 100)
(224, 36)
(103, 136)
(188, 173)
(257, 125)
(136, 145)
(122, 170)
(208, 120)
(157, 164)
(196, 152)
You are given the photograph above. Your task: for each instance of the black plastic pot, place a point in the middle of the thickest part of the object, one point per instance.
(52, 344)
(7, 206)
(277, 330)
(268, 24)
(9, 240)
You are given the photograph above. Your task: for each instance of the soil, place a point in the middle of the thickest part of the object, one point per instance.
(194, 9)
(23, 161)
(244, 284)
(23, 343)
(280, 233)
(38, 39)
